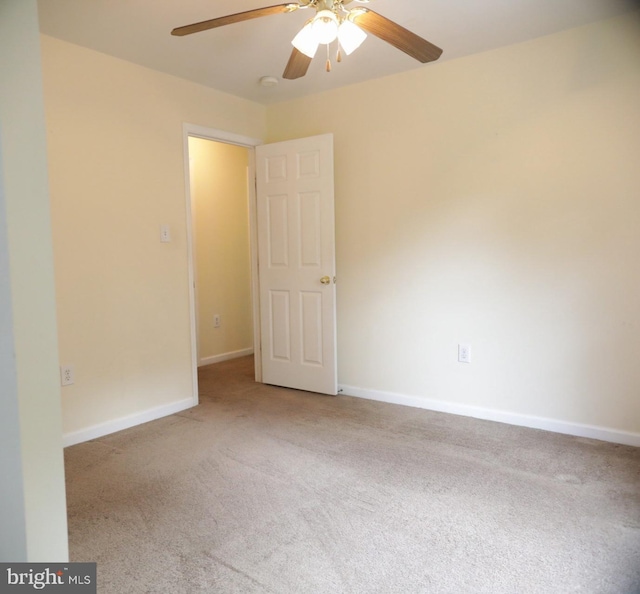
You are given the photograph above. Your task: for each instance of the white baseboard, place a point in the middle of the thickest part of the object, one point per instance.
(102, 429)
(224, 357)
(568, 428)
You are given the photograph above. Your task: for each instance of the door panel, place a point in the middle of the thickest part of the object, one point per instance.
(311, 307)
(296, 250)
(279, 315)
(278, 231)
(310, 229)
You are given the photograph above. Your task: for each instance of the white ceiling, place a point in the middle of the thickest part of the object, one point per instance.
(233, 58)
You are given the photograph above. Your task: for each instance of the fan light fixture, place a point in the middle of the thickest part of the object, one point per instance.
(324, 28)
(350, 36)
(305, 41)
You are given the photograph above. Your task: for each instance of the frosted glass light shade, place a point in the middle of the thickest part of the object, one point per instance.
(350, 36)
(325, 26)
(305, 41)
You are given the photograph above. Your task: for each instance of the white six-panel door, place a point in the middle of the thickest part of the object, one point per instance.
(296, 261)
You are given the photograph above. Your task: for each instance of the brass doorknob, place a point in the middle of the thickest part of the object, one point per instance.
(325, 280)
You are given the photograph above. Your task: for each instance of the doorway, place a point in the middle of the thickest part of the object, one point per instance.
(222, 265)
(296, 245)
(222, 258)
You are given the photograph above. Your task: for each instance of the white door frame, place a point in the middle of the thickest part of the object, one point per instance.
(197, 131)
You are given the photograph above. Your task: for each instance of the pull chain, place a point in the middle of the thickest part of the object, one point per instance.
(328, 60)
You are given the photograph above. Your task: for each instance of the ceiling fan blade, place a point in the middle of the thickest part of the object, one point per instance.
(398, 36)
(234, 18)
(297, 65)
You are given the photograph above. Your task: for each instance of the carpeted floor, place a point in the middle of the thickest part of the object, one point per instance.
(263, 489)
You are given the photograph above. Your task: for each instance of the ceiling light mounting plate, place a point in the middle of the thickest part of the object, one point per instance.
(268, 81)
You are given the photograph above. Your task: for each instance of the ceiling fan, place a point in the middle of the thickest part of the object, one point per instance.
(331, 21)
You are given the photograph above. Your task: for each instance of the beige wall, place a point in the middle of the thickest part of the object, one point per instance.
(221, 230)
(492, 200)
(33, 522)
(115, 140)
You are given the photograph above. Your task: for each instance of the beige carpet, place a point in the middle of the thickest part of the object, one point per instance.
(262, 489)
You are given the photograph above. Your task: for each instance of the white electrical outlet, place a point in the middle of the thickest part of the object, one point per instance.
(464, 353)
(165, 234)
(216, 321)
(67, 375)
